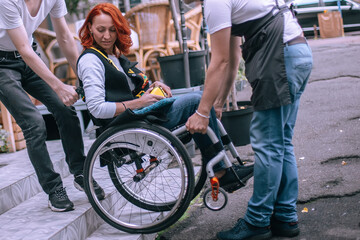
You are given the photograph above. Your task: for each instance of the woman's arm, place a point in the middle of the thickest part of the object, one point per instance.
(91, 71)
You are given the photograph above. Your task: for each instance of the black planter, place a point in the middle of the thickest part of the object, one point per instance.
(237, 123)
(172, 69)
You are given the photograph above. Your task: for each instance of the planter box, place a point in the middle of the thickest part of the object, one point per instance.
(172, 69)
(237, 123)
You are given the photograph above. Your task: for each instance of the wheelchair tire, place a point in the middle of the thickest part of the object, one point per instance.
(134, 205)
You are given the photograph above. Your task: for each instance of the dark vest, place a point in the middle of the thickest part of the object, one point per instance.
(116, 85)
(263, 53)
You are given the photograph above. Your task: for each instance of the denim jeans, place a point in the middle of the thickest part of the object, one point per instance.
(179, 112)
(16, 80)
(275, 171)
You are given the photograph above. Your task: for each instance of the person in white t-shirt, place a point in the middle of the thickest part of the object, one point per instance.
(22, 72)
(278, 63)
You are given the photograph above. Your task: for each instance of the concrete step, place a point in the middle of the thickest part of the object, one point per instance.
(18, 181)
(107, 232)
(24, 212)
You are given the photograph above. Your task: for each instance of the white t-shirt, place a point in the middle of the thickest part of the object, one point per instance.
(222, 14)
(14, 13)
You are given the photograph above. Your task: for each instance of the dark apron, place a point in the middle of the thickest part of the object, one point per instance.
(263, 52)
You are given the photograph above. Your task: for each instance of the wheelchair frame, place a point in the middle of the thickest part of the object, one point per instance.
(154, 196)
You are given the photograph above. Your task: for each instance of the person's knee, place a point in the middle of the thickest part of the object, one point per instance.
(35, 129)
(195, 98)
(64, 114)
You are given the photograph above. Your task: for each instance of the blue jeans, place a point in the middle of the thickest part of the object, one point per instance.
(271, 132)
(179, 112)
(16, 80)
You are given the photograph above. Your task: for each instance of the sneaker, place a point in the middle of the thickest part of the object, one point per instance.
(245, 231)
(229, 181)
(59, 201)
(284, 229)
(79, 185)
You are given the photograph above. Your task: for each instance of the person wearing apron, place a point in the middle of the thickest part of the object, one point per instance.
(278, 63)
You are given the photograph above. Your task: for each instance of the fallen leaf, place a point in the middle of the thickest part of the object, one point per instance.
(305, 210)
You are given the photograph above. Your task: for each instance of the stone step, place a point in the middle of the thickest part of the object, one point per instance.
(24, 212)
(107, 232)
(32, 219)
(18, 181)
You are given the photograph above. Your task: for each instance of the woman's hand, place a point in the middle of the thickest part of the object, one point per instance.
(147, 98)
(166, 88)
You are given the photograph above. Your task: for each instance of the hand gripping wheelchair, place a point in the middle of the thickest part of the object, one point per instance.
(148, 175)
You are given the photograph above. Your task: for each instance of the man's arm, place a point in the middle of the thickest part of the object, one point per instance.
(66, 41)
(65, 92)
(217, 75)
(235, 57)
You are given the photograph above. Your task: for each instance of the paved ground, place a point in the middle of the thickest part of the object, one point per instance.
(327, 148)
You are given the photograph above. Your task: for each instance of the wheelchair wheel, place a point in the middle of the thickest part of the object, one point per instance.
(139, 201)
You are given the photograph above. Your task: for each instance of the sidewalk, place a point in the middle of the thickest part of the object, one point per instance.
(327, 148)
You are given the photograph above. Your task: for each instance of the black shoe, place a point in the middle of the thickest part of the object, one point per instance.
(59, 201)
(79, 185)
(245, 231)
(229, 181)
(284, 229)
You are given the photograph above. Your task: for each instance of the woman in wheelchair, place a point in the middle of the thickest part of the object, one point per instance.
(113, 85)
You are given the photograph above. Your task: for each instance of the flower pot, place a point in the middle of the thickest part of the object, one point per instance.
(237, 123)
(172, 69)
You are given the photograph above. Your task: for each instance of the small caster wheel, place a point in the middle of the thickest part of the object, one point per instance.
(215, 204)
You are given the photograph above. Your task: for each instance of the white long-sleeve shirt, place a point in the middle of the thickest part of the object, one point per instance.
(91, 71)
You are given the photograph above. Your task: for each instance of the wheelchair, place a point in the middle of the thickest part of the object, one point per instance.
(148, 175)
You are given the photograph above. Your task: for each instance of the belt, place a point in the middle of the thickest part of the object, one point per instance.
(13, 55)
(297, 40)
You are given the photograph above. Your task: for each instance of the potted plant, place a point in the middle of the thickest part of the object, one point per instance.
(3, 140)
(77, 9)
(237, 115)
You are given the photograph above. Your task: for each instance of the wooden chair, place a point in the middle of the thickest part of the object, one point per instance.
(193, 22)
(48, 43)
(151, 22)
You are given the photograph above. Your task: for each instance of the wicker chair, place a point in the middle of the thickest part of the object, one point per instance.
(193, 21)
(151, 22)
(48, 43)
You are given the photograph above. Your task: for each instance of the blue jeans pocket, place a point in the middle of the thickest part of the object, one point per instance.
(298, 63)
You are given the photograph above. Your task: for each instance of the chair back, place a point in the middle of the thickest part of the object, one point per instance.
(48, 43)
(193, 21)
(151, 22)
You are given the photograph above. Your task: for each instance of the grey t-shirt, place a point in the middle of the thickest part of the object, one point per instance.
(14, 13)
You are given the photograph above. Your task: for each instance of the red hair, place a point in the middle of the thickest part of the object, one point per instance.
(123, 41)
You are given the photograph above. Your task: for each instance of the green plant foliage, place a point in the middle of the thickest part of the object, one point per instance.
(72, 5)
(3, 140)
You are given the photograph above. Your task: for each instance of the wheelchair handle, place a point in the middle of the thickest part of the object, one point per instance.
(209, 132)
(80, 92)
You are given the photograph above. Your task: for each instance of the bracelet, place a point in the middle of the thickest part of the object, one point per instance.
(124, 106)
(202, 115)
